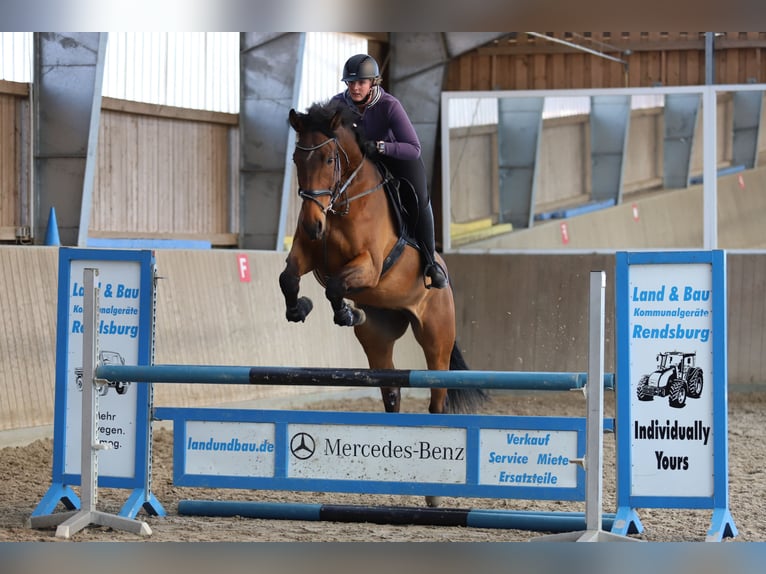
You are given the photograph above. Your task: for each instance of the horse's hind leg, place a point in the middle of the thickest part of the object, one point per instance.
(377, 337)
(392, 398)
(434, 330)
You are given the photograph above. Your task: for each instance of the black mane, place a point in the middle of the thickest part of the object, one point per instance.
(319, 116)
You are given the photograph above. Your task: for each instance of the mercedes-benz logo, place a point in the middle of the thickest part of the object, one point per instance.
(302, 445)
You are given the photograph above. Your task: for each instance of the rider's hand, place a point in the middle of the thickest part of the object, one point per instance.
(370, 149)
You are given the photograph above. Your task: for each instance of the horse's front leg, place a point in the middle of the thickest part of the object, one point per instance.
(289, 281)
(357, 274)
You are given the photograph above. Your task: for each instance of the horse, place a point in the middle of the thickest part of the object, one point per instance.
(348, 235)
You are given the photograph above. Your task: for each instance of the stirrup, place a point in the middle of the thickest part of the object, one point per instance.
(438, 276)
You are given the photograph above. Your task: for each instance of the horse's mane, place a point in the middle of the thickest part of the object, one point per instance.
(320, 114)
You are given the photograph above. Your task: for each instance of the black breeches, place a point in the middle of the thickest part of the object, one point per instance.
(414, 171)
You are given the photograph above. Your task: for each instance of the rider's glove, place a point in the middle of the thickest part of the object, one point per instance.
(373, 149)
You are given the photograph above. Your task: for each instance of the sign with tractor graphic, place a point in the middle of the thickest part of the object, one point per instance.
(675, 377)
(670, 327)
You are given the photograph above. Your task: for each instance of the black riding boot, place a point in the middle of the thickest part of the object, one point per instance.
(425, 237)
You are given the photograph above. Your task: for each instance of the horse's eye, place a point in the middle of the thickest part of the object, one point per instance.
(330, 159)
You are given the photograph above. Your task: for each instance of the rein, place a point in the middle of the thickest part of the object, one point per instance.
(339, 189)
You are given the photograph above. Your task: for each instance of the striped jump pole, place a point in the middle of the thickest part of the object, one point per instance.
(548, 521)
(234, 375)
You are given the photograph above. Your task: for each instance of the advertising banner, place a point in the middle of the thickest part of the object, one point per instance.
(671, 320)
(125, 284)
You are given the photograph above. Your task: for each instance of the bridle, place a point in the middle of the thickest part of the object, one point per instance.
(339, 188)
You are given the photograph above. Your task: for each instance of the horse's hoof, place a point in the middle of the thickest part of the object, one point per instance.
(433, 501)
(301, 310)
(348, 316)
(344, 317)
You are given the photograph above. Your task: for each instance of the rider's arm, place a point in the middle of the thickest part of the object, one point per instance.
(403, 142)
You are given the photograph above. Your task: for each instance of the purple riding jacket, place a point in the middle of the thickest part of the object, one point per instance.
(384, 119)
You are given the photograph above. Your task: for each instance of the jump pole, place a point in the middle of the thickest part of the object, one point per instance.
(329, 377)
(553, 521)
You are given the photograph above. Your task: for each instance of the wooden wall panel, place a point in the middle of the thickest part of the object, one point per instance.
(747, 342)
(474, 168)
(563, 177)
(15, 208)
(521, 62)
(162, 175)
(643, 168)
(28, 276)
(724, 137)
(9, 164)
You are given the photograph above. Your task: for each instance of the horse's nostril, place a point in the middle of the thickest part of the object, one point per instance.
(314, 229)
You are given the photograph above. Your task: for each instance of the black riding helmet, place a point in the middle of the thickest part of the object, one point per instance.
(360, 67)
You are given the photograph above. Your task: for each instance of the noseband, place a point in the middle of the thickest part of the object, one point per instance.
(339, 188)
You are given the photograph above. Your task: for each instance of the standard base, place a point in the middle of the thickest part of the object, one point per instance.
(721, 526)
(584, 536)
(68, 523)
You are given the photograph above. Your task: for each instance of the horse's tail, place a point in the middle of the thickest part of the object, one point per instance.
(463, 400)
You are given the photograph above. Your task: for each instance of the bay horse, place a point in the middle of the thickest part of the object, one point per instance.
(347, 235)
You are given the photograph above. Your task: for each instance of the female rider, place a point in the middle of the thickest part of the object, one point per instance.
(394, 142)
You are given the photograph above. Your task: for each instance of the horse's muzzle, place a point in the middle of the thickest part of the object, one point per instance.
(313, 211)
(314, 227)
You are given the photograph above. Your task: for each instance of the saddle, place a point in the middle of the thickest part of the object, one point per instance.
(404, 205)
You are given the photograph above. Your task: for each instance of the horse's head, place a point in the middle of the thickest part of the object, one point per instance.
(326, 151)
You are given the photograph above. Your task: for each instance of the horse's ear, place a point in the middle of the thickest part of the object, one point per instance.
(295, 120)
(335, 122)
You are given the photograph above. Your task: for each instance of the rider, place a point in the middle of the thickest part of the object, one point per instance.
(392, 140)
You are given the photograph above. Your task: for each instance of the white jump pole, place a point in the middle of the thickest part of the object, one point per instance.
(593, 462)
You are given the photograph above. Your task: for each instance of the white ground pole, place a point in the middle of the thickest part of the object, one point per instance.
(594, 427)
(68, 523)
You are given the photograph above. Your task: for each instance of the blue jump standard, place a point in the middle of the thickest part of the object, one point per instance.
(329, 377)
(399, 515)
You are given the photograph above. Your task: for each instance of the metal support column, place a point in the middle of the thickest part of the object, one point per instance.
(710, 149)
(68, 72)
(746, 125)
(710, 168)
(609, 121)
(519, 130)
(270, 71)
(680, 126)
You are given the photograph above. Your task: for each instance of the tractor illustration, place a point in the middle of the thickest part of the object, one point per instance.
(676, 377)
(105, 358)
